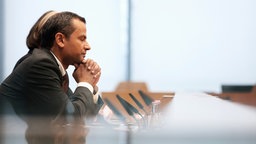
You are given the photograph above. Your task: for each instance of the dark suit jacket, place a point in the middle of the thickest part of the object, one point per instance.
(34, 89)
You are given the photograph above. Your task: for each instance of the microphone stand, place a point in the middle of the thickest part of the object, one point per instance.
(126, 138)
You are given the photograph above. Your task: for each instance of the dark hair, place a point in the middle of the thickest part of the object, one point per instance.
(33, 40)
(60, 22)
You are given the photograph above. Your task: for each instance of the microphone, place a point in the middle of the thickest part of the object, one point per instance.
(148, 100)
(130, 109)
(137, 102)
(114, 109)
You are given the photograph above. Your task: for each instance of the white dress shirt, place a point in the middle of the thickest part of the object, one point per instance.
(80, 84)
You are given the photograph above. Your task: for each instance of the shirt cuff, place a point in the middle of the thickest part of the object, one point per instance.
(85, 84)
(89, 86)
(96, 97)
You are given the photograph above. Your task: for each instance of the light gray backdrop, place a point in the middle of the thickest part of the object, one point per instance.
(176, 45)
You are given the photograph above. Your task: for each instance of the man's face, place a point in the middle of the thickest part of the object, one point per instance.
(76, 45)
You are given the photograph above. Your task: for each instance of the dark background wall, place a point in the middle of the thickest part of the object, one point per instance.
(1, 67)
(1, 38)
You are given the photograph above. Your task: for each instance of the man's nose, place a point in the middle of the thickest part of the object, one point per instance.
(87, 46)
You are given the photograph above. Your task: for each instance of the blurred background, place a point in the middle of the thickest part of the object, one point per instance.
(172, 45)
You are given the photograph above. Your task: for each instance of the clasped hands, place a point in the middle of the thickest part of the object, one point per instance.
(87, 71)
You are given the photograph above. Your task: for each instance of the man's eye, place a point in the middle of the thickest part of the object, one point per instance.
(83, 38)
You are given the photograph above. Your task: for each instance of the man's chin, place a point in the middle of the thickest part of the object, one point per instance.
(78, 62)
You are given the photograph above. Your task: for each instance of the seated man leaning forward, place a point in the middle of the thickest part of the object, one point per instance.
(35, 87)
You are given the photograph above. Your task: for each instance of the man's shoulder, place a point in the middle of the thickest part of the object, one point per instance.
(40, 55)
(38, 58)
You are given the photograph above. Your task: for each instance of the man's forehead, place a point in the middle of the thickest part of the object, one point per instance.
(79, 26)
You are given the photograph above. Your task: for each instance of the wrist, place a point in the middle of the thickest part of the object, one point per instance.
(95, 90)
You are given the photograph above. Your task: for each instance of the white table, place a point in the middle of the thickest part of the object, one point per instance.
(201, 118)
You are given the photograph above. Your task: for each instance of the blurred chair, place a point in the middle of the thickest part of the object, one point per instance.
(236, 88)
(254, 89)
(244, 94)
(131, 86)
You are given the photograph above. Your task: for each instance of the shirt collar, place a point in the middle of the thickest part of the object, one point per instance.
(62, 70)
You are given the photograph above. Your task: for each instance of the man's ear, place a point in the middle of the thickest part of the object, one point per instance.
(59, 38)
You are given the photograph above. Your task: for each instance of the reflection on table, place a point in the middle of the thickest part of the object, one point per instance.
(186, 118)
(182, 118)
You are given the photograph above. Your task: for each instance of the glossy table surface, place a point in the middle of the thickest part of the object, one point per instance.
(193, 118)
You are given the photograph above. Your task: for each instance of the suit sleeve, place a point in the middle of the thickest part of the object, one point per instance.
(47, 96)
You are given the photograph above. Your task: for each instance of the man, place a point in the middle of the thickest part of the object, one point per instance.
(35, 90)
